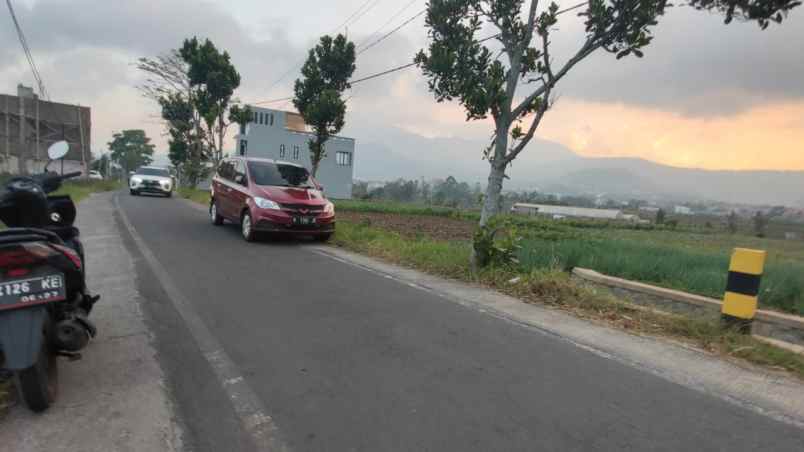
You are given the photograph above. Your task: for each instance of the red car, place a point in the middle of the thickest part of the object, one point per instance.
(265, 195)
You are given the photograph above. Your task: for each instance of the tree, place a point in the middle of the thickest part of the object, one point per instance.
(131, 149)
(101, 165)
(760, 223)
(732, 222)
(194, 87)
(317, 95)
(660, 216)
(213, 80)
(460, 66)
(762, 11)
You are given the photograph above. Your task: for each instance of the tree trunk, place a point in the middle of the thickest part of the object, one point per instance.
(491, 201)
(316, 154)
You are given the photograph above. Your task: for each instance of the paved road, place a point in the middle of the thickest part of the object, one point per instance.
(345, 359)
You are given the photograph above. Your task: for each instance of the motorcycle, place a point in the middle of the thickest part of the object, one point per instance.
(44, 301)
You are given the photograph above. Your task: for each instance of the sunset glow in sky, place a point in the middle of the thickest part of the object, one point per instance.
(706, 95)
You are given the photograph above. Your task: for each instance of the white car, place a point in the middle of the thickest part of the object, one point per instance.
(95, 175)
(151, 179)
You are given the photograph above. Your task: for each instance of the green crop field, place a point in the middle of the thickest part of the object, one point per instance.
(690, 259)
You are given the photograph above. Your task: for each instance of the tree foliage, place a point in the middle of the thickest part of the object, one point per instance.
(193, 86)
(318, 94)
(131, 149)
(460, 65)
(213, 80)
(762, 11)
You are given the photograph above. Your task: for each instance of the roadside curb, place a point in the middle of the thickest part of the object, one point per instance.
(247, 405)
(767, 393)
(780, 327)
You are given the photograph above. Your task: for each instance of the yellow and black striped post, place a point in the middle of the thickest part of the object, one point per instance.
(742, 288)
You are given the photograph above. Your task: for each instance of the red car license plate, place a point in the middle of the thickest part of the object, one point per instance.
(304, 221)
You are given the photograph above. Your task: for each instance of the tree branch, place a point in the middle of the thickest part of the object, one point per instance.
(543, 107)
(591, 44)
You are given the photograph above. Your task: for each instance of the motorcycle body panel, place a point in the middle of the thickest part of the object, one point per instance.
(21, 335)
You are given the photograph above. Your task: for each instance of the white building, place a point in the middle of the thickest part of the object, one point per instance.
(558, 212)
(283, 135)
(682, 210)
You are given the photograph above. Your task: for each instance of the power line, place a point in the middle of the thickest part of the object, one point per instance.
(383, 37)
(382, 27)
(405, 66)
(354, 17)
(380, 74)
(27, 50)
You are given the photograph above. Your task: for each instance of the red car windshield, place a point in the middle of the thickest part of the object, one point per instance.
(266, 173)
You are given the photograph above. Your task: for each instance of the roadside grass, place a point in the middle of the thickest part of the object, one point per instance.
(686, 269)
(194, 194)
(80, 189)
(553, 287)
(695, 262)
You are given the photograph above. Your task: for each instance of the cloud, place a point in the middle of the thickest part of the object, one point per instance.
(696, 65)
(698, 71)
(762, 137)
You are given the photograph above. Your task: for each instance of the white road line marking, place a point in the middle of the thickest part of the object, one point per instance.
(246, 403)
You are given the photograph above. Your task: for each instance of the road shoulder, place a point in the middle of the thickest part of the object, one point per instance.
(114, 398)
(770, 394)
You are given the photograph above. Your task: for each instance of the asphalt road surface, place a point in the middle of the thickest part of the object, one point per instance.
(345, 359)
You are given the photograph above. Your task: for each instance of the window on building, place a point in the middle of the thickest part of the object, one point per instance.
(295, 153)
(272, 119)
(253, 116)
(343, 158)
(243, 147)
(262, 118)
(281, 151)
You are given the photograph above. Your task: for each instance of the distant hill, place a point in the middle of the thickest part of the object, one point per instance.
(549, 166)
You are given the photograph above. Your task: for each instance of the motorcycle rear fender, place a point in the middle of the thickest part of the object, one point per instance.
(21, 335)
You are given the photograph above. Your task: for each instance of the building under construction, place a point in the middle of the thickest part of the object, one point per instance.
(29, 125)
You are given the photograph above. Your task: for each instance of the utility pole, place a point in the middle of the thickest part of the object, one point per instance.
(21, 167)
(83, 149)
(36, 151)
(6, 136)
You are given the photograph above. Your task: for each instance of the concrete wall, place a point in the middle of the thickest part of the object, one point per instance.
(266, 141)
(43, 124)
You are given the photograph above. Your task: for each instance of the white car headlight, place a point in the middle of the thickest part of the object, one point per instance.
(136, 180)
(165, 184)
(329, 208)
(263, 203)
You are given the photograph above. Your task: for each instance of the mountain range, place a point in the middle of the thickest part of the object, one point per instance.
(551, 167)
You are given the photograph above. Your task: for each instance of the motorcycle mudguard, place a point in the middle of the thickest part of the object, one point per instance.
(21, 336)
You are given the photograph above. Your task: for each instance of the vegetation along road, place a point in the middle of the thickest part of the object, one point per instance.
(343, 358)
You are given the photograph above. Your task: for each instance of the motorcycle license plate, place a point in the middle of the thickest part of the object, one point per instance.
(36, 290)
(304, 221)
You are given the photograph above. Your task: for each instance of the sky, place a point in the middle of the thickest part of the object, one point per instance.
(705, 95)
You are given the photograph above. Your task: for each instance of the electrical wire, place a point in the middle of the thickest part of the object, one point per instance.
(382, 27)
(405, 66)
(385, 36)
(354, 17)
(27, 50)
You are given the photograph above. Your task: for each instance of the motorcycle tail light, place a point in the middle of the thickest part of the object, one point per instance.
(22, 255)
(70, 253)
(17, 272)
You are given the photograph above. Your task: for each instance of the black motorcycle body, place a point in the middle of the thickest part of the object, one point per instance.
(44, 302)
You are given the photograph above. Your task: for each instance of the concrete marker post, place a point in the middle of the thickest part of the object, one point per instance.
(742, 288)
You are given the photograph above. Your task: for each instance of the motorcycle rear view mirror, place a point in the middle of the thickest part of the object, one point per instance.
(58, 150)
